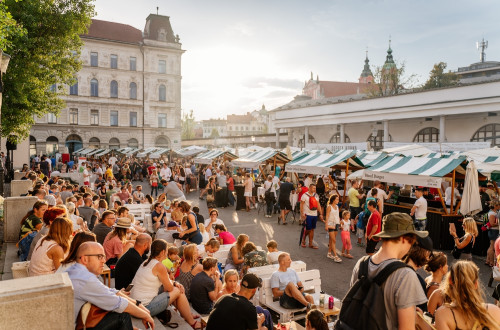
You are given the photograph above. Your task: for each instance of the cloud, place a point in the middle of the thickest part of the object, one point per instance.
(263, 82)
(241, 29)
(280, 93)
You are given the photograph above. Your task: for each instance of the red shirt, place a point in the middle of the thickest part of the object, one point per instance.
(230, 184)
(302, 191)
(375, 220)
(150, 169)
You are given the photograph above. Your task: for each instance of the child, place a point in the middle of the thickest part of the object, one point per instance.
(345, 234)
(204, 233)
(171, 262)
(360, 228)
(225, 237)
(273, 253)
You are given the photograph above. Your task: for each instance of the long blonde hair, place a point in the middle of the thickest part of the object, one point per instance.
(470, 227)
(60, 231)
(461, 286)
(242, 238)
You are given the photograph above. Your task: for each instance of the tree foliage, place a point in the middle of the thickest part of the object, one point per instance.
(9, 28)
(438, 78)
(391, 81)
(188, 123)
(48, 54)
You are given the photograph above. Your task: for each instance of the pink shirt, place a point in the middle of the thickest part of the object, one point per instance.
(497, 247)
(112, 247)
(227, 237)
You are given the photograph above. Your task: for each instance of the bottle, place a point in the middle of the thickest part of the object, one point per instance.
(322, 299)
(330, 302)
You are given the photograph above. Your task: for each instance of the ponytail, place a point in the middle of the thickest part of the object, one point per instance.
(157, 247)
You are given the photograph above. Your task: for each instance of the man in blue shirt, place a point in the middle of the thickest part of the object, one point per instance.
(88, 288)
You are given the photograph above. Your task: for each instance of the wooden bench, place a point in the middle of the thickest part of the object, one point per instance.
(139, 210)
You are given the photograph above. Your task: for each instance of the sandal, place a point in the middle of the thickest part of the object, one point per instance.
(330, 256)
(337, 259)
(194, 325)
(303, 245)
(314, 247)
(349, 256)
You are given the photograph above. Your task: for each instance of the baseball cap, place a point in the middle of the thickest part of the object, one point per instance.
(172, 224)
(397, 224)
(251, 281)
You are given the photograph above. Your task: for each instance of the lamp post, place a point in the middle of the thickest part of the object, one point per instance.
(4, 63)
(253, 140)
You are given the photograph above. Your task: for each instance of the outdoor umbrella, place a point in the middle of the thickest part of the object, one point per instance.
(471, 200)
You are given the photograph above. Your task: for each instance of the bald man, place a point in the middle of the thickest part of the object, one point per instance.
(87, 288)
(129, 263)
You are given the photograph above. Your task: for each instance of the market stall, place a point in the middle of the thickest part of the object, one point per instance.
(209, 157)
(158, 153)
(190, 151)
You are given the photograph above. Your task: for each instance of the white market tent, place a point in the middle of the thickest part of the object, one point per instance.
(409, 150)
(158, 153)
(83, 152)
(95, 151)
(102, 153)
(146, 152)
(254, 159)
(369, 158)
(321, 164)
(209, 156)
(190, 151)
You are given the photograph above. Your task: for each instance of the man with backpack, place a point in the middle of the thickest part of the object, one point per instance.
(309, 211)
(384, 291)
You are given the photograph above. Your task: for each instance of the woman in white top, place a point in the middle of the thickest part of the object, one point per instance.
(76, 220)
(332, 225)
(153, 275)
(212, 221)
(492, 232)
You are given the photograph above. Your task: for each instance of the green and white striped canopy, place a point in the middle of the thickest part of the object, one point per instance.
(102, 153)
(158, 153)
(147, 151)
(95, 151)
(190, 151)
(369, 158)
(320, 163)
(254, 159)
(209, 156)
(417, 171)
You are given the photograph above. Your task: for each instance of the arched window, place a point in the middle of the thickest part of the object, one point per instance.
(94, 143)
(52, 145)
(74, 143)
(94, 87)
(162, 142)
(162, 93)
(133, 90)
(487, 133)
(377, 141)
(73, 89)
(310, 140)
(336, 138)
(32, 146)
(113, 89)
(133, 143)
(428, 134)
(114, 144)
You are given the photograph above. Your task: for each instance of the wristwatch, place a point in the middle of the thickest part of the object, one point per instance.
(137, 302)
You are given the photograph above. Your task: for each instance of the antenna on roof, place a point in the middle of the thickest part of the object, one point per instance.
(482, 46)
(157, 10)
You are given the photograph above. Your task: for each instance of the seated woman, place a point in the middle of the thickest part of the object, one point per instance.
(189, 267)
(31, 223)
(315, 320)
(235, 256)
(78, 240)
(48, 217)
(78, 223)
(152, 286)
(225, 237)
(50, 250)
(211, 221)
(116, 243)
(467, 309)
(252, 257)
(208, 249)
(192, 233)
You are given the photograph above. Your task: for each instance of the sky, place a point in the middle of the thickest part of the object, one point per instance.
(243, 54)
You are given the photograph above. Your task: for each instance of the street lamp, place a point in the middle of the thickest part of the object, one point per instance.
(4, 63)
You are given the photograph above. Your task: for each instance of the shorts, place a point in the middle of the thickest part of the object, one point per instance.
(285, 204)
(330, 230)
(420, 224)
(311, 222)
(354, 211)
(248, 194)
(493, 234)
(360, 233)
(290, 302)
(370, 246)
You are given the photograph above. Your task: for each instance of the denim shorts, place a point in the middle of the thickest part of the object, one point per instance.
(290, 302)
(493, 234)
(158, 304)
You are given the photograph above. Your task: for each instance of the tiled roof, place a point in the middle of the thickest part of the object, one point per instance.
(340, 88)
(236, 119)
(114, 31)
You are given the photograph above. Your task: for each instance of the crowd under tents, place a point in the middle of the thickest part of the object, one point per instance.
(210, 156)
(254, 160)
(190, 151)
(158, 153)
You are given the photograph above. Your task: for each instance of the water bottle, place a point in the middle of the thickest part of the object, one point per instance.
(330, 302)
(322, 299)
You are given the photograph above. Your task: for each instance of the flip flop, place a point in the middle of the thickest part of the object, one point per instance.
(313, 247)
(303, 245)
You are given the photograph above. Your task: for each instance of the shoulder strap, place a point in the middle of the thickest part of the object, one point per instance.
(363, 267)
(388, 270)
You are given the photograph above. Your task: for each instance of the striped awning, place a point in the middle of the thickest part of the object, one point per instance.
(146, 152)
(320, 163)
(83, 152)
(254, 159)
(190, 151)
(296, 155)
(103, 152)
(417, 171)
(158, 153)
(95, 151)
(209, 156)
(369, 158)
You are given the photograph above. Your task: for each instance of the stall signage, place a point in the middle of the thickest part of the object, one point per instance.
(415, 180)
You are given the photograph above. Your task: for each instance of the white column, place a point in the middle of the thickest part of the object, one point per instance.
(442, 129)
(342, 133)
(306, 135)
(386, 131)
(290, 137)
(277, 138)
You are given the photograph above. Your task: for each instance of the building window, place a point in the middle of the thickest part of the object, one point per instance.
(114, 61)
(94, 59)
(133, 90)
(162, 93)
(51, 118)
(113, 121)
(488, 133)
(310, 140)
(162, 142)
(94, 117)
(336, 138)
(133, 143)
(94, 87)
(114, 144)
(133, 119)
(94, 143)
(162, 120)
(113, 89)
(52, 145)
(73, 89)
(162, 66)
(53, 88)
(428, 134)
(377, 141)
(73, 116)
(133, 62)
(32, 146)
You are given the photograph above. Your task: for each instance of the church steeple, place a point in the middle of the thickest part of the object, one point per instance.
(389, 60)
(366, 75)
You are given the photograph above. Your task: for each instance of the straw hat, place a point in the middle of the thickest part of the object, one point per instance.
(123, 223)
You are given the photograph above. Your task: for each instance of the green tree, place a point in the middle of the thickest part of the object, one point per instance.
(390, 81)
(214, 134)
(188, 122)
(438, 78)
(9, 28)
(48, 54)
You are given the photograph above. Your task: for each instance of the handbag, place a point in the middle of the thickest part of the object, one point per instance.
(456, 252)
(92, 315)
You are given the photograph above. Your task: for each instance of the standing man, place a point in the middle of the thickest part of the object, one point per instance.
(373, 227)
(354, 199)
(419, 209)
(284, 199)
(221, 180)
(165, 172)
(456, 196)
(381, 194)
(230, 188)
(129, 263)
(309, 210)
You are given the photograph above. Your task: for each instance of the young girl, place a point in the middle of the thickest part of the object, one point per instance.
(231, 283)
(345, 234)
(332, 224)
(204, 233)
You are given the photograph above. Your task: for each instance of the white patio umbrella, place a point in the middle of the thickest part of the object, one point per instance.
(471, 200)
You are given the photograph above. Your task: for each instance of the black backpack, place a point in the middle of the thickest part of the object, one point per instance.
(363, 306)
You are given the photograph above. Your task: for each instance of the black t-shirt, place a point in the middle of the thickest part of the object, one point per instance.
(101, 231)
(126, 267)
(201, 285)
(232, 312)
(200, 219)
(285, 190)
